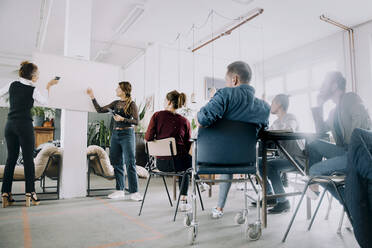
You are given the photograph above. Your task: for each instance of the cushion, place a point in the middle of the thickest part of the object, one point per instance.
(108, 170)
(142, 172)
(40, 161)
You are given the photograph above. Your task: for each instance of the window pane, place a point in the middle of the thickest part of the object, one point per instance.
(297, 80)
(319, 71)
(274, 86)
(299, 105)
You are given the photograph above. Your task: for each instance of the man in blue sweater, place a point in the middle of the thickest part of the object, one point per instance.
(235, 102)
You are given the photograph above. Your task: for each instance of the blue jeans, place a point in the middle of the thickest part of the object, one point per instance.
(123, 148)
(336, 161)
(274, 167)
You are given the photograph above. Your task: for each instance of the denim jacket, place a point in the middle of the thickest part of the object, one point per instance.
(235, 104)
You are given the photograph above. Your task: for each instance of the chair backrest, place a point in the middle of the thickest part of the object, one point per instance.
(42, 159)
(54, 164)
(163, 147)
(227, 142)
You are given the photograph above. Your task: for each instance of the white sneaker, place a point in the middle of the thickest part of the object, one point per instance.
(204, 187)
(118, 194)
(184, 206)
(216, 214)
(136, 197)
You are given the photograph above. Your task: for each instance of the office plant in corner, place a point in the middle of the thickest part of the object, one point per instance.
(99, 134)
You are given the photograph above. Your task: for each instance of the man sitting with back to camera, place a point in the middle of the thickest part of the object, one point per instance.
(235, 102)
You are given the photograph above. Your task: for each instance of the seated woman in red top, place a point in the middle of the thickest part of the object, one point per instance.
(166, 124)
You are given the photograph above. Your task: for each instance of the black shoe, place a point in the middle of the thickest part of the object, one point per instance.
(270, 203)
(280, 207)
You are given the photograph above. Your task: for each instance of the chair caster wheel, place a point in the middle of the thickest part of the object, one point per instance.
(239, 218)
(193, 233)
(254, 231)
(187, 219)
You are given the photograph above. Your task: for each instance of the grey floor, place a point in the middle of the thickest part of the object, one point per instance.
(100, 222)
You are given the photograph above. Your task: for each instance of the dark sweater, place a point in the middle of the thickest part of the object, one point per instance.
(21, 101)
(165, 124)
(130, 118)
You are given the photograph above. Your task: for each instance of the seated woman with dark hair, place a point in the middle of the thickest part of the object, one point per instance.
(165, 124)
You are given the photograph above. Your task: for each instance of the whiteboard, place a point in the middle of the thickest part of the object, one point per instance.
(76, 76)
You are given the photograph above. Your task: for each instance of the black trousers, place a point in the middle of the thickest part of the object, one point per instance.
(181, 164)
(19, 133)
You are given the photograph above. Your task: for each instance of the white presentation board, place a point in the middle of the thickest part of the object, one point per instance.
(76, 76)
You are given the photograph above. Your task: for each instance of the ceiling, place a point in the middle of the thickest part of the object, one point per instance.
(284, 25)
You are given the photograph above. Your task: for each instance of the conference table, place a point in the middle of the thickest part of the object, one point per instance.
(275, 136)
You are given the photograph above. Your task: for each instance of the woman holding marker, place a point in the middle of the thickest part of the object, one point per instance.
(125, 115)
(19, 131)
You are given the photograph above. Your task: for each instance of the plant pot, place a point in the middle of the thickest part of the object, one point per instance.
(141, 156)
(38, 121)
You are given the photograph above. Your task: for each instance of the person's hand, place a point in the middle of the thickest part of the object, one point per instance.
(51, 83)
(119, 118)
(90, 93)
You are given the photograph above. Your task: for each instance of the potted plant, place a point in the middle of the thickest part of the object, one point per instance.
(99, 134)
(38, 116)
(141, 157)
(41, 114)
(49, 117)
(188, 113)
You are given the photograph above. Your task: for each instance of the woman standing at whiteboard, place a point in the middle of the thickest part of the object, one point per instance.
(123, 139)
(19, 131)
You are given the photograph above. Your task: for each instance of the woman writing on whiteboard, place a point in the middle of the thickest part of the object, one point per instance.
(19, 131)
(125, 114)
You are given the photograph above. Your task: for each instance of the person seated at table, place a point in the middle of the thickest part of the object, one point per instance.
(235, 102)
(349, 113)
(276, 166)
(165, 124)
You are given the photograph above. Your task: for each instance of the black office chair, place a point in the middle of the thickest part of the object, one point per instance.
(226, 147)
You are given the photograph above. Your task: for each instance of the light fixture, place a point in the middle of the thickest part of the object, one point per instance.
(130, 20)
(246, 2)
(134, 15)
(227, 29)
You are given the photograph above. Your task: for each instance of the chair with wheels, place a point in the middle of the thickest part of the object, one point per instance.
(226, 147)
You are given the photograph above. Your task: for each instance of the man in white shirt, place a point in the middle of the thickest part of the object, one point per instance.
(276, 166)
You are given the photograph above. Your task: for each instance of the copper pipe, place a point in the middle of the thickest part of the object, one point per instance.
(350, 32)
(259, 12)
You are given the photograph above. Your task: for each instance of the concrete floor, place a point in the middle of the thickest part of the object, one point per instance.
(100, 222)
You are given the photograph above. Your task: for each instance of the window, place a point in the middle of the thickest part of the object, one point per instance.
(302, 85)
(297, 80)
(273, 86)
(319, 71)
